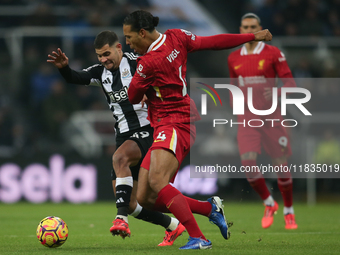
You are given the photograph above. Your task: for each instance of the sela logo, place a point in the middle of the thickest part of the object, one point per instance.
(118, 96)
(239, 103)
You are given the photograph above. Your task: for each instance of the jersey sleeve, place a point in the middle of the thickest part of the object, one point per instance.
(283, 71)
(232, 73)
(233, 77)
(215, 42)
(141, 82)
(87, 76)
(223, 41)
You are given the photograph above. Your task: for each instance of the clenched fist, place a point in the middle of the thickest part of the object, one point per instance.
(263, 35)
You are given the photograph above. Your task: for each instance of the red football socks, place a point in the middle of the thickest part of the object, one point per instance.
(285, 183)
(256, 179)
(199, 207)
(178, 206)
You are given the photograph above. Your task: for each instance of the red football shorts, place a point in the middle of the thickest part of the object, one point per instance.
(273, 139)
(176, 138)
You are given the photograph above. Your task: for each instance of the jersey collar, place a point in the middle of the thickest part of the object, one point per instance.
(156, 44)
(259, 47)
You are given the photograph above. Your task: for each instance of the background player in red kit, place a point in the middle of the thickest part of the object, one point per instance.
(160, 75)
(253, 65)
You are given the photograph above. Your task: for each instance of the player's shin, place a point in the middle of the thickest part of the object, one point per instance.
(177, 204)
(154, 217)
(123, 195)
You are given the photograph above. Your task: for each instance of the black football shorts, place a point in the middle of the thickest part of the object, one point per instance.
(144, 139)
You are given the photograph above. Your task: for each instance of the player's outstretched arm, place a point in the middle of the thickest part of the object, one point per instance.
(263, 35)
(59, 58)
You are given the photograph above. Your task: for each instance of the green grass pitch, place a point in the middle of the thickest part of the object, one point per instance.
(318, 232)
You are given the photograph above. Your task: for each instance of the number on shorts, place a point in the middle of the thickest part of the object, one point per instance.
(161, 136)
(142, 134)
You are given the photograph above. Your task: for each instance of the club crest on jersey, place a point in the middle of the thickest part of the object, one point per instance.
(261, 64)
(126, 73)
(118, 96)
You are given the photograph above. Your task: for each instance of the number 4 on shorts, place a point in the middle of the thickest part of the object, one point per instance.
(161, 136)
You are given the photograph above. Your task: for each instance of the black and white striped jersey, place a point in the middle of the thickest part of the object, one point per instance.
(115, 85)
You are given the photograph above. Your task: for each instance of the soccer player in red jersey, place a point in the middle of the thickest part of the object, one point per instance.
(160, 75)
(256, 65)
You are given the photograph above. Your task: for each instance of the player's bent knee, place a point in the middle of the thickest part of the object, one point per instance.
(143, 201)
(119, 161)
(157, 184)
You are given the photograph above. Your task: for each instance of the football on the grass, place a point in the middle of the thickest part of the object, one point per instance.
(52, 232)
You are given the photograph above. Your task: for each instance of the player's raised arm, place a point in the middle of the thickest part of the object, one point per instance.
(224, 41)
(227, 41)
(263, 35)
(58, 58)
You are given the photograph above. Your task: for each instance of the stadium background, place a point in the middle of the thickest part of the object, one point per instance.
(55, 135)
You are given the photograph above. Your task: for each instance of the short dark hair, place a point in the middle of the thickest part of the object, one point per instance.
(251, 16)
(105, 37)
(141, 19)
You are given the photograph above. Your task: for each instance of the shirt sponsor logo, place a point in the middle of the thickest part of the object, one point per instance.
(118, 96)
(251, 80)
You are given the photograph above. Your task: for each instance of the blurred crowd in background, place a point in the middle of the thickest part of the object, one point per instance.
(37, 103)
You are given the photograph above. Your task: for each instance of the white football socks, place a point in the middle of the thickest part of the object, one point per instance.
(269, 201)
(173, 224)
(137, 211)
(288, 210)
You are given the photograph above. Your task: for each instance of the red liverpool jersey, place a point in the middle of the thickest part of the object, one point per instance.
(163, 70)
(161, 74)
(258, 70)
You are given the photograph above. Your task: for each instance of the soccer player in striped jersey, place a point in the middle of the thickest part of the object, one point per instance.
(133, 131)
(160, 75)
(256, 65)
